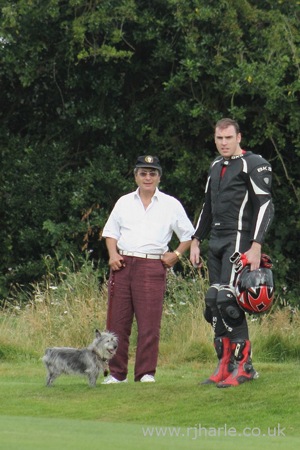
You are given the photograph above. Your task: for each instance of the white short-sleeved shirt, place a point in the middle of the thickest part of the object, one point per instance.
(150, 230)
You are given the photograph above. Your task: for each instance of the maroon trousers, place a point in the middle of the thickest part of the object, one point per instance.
(136, 290)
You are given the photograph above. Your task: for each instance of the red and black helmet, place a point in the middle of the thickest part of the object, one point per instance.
(255, 289)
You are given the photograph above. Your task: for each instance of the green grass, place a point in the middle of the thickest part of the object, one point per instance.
(70, 415)
(180, 414)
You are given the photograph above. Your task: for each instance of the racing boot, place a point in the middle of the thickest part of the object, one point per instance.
(225, 365)
(244, 370)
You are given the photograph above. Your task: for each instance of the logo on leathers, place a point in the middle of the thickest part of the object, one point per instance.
(264, 168)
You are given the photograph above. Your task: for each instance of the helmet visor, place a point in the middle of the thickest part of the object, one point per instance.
(255, 278)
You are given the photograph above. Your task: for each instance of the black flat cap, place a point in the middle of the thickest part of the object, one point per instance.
(148, 161)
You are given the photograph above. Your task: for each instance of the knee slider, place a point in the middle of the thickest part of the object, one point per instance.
(230, 311)
(210, 303)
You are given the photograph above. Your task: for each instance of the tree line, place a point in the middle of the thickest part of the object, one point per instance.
(88, 85)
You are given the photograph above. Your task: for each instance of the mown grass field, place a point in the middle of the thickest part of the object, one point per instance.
(175, 412)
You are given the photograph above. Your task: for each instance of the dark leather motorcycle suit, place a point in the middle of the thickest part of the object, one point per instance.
(237, 210)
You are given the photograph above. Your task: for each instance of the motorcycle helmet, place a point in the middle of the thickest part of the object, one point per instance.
(255, 290)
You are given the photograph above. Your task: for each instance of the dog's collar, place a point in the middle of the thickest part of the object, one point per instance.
(105, 360)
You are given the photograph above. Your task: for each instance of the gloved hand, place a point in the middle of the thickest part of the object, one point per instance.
(239, 260)
(266, 261)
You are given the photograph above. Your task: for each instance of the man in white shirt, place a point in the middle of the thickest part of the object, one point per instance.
(137, 234)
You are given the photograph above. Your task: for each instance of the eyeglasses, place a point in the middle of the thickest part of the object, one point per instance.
(152, 174)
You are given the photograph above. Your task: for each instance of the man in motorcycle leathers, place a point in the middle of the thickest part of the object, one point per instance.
(237, 212)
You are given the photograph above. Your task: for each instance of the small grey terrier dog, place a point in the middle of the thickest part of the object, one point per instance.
(89, 361)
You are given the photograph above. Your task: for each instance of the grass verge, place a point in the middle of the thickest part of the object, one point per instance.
(174, 413)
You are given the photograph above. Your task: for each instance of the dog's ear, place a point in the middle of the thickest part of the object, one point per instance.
(98, 334)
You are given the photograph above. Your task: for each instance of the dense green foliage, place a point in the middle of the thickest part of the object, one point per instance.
(87, 86)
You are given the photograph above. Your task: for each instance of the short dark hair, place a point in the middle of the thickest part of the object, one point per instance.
(226, 122)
